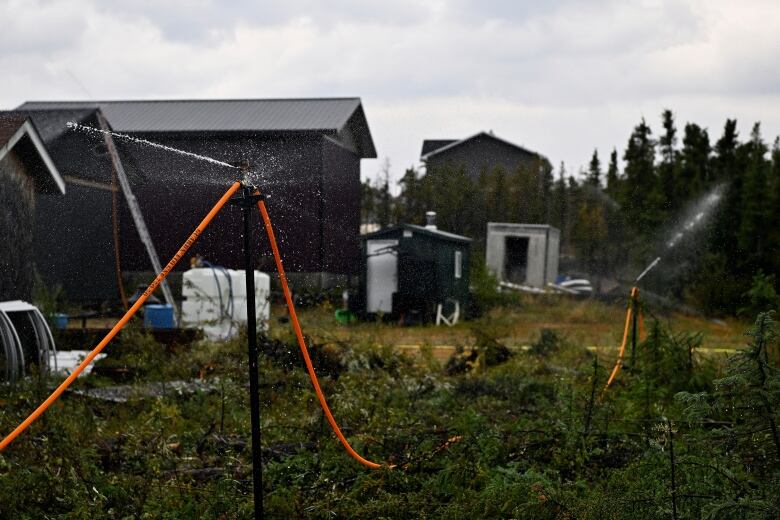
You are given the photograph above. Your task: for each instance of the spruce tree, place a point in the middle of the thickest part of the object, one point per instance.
(725, 161)
(594, 171)
(548, 180)
(667, 168)
(560, 199)
(755, 201)
(642, 199)
(694, 175)
(613, 175)
(384, 199)
(408, 206)
(367, 203)
(724, 276)
(773, 235)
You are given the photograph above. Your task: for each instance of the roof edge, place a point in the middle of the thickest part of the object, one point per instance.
(27, 128)
(180, 100)
(438, 233)
(469, 138)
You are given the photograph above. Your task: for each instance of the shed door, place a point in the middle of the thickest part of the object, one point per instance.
(516, 259)
(381, 274)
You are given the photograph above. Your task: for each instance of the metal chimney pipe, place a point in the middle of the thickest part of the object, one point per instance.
(430, 220)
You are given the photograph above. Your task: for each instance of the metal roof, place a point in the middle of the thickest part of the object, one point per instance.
(448, 145)
(437, 233)
(51, 124)
(327, 115)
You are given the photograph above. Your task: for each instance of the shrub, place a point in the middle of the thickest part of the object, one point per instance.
(762, 296)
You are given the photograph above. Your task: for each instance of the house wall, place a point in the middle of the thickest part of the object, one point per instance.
(340, 209)
(481, 154)
(175, 192)
(74, 244)
(17, 258)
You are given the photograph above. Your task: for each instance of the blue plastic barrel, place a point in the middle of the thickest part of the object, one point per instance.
(158, 316)
(61, 321)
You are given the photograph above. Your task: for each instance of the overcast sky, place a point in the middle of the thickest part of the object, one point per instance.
(558, 77)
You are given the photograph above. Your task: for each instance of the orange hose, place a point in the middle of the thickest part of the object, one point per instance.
(123, 321)
(619, 361)
(301, 342)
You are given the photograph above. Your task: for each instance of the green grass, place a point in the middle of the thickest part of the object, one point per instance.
(519, 439)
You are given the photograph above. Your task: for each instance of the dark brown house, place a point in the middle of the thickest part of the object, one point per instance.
(478, 153)
(306, 154)
(26, 171)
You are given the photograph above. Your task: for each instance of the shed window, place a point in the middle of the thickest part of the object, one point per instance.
(458, 264)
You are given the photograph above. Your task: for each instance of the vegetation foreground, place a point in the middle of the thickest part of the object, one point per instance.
(493, 434)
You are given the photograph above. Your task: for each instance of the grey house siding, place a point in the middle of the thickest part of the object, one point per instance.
(480, 154)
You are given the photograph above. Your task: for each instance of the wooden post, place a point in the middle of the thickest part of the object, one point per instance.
(135, 211)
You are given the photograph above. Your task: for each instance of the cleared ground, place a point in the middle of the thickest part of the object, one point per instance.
(589, 323)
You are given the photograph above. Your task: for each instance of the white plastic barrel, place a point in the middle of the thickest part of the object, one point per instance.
(215, 300)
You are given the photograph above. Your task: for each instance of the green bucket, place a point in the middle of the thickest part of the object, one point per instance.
(344, 317)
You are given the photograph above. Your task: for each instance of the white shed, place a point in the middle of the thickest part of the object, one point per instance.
(524, 254)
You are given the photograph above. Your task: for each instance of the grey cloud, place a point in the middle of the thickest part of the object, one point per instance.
(536, 72)
(30, 27)
(205, 20)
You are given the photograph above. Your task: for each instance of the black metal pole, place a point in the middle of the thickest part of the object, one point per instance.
(251, 326)
(634, 313)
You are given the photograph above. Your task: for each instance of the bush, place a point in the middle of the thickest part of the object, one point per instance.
(548, 343)
(484, 287)
(762, 296)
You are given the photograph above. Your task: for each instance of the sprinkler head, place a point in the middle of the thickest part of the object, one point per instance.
(243, 165)
(247, 183)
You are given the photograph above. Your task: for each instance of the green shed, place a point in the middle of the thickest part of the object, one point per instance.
(408, 270)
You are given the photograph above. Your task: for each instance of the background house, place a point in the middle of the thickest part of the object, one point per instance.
(26, 170)
(478, 153)
(306, 153)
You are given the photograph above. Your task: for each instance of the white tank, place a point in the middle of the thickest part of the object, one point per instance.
(215, 300)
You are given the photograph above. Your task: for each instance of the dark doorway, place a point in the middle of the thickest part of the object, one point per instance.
(515, 259)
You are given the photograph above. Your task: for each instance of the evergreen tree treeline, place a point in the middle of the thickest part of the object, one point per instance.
(610, 218)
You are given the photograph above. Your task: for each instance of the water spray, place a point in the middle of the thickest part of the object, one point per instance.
(97, 131)
(647, 269)
(634, 320)
(695, 217)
